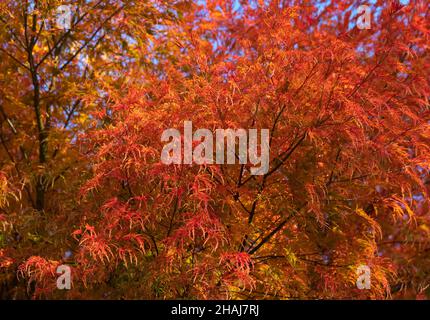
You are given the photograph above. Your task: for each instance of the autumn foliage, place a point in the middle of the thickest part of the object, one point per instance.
(81, 181)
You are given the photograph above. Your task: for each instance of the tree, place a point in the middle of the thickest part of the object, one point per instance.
(53, 75)
(348, 115)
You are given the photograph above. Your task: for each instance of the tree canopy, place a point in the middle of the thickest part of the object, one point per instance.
(82, 111)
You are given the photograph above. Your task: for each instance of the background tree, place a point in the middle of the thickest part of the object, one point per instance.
(52, 77)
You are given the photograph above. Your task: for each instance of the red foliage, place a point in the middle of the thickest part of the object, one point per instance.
(348, 182)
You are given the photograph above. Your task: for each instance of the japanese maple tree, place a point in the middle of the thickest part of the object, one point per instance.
(348, 185)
